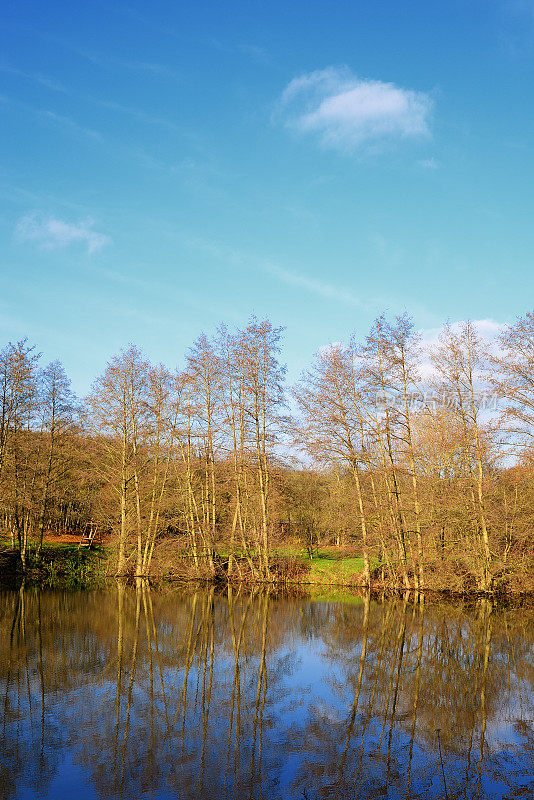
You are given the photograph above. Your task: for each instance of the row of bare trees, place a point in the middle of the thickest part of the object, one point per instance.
(419, 458)
(429, 461)
(202, 439)
(37, 458)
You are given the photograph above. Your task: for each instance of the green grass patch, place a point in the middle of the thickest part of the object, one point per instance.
(329, 569)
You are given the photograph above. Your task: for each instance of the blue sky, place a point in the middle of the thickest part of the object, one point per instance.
(166, 166)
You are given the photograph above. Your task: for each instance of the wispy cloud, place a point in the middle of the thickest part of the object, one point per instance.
(34, 77)
(114, 62)
(346, 112)
(60, 121)
(255, 53)
(55, 86)
(67, 123)
(51, 233)
(322, 289)
(252, 51)
(136, 113)
(239, 258)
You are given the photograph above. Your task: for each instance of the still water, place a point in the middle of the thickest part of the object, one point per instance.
(144, 693)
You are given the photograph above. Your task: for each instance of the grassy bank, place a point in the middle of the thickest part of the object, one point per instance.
(61, 566)
(64, 565)
(69, 566)
(289, 565)
(328, 569)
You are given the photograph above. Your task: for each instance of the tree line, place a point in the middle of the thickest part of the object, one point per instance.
(418, 458)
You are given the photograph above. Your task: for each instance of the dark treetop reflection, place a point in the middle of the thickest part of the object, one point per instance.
(132, 692)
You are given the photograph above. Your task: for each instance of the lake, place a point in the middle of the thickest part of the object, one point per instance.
(169, 693)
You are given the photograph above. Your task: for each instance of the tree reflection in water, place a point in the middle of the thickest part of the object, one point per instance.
(135, 692)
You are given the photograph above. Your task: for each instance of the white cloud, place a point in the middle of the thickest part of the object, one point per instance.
(51, 233)
(429, 163)
(325, 349)
(346, 112)
(486, 329)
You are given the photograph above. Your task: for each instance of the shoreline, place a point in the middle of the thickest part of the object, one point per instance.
(68, 566)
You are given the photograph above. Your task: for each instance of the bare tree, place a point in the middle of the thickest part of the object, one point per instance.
(513, 379)
(118, 417)
(57, 408)
(459, 359)
(334, 421)
(262, 398)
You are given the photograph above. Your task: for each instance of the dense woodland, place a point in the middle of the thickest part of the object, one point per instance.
(421, 460)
